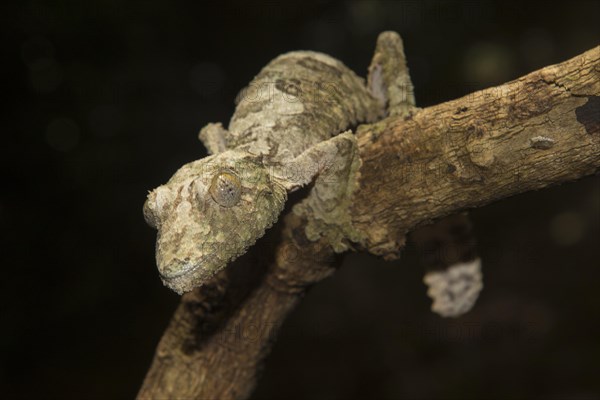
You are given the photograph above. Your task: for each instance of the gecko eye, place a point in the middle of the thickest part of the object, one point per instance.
(226, 189)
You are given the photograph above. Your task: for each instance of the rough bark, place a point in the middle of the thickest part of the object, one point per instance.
(536, 131)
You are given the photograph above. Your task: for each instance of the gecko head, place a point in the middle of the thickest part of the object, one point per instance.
(209, 213)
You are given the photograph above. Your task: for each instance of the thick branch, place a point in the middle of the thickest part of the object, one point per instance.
(539, 130)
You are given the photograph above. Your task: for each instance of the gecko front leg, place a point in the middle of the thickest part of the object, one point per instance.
(333, 165)
(327, 207)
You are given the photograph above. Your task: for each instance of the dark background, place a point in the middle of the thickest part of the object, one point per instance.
(104, 101)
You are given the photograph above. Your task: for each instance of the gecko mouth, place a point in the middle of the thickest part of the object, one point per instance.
(180, 278)
(184, 276)
(178, 269)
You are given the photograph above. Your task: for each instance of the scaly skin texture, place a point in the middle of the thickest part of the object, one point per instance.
(286, 132)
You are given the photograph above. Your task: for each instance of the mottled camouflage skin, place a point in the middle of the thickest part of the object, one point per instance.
(285, 133)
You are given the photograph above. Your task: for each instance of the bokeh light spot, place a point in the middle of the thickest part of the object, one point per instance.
(488, 64)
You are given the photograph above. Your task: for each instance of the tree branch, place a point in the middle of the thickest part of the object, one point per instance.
(536, 131)
(539, 130)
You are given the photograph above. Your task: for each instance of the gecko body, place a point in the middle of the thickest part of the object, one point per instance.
(288, 130)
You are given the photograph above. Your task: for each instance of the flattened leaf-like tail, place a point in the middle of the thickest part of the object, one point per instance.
(448, 251)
